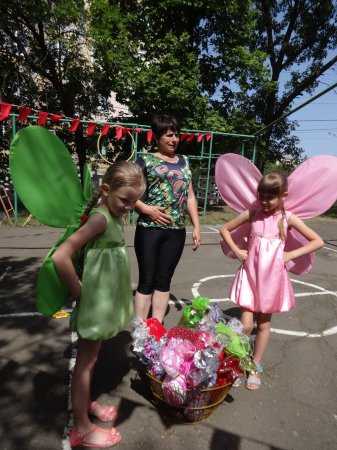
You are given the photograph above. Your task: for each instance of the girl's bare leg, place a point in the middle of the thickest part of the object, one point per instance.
(247, 319)
(81, 380)
(262, 336)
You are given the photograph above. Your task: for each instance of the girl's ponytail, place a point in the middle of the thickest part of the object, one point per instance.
(281, 226)
(91, 204)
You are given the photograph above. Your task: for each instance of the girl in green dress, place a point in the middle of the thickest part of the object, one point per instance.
(105, 305)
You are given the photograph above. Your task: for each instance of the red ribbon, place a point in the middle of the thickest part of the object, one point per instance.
(74, 125)
(42, 118)
(24, 112)
(105, 129)
(91, 128)
(5, 110)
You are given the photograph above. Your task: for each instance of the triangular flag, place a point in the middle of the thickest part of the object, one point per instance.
(91, 128)
(200, 137)
(149, 136)
(208, 136)
(24, 112)
(55, 117)
(118, 133)
(190, 138)
(105, 129)
(5, 110)
(74, 125)
(42, 118)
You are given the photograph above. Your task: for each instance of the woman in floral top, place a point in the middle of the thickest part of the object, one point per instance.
(160, 233)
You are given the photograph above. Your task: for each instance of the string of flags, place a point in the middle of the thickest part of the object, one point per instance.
(120, 131)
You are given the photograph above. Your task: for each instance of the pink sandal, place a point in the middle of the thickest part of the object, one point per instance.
(105, 413)
(111, 437)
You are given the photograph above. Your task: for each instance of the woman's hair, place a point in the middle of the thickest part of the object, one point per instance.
(275, 184)
(120, 174)
(162, 123)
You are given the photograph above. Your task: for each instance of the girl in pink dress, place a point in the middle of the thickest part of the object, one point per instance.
(261, 285)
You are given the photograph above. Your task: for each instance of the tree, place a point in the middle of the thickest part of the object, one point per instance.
(44, 54)
(295, 37)
(154, 55)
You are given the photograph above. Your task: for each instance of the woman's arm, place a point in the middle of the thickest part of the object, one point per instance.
(226, 234)
(315, 241)
(192, 208)
(62, 257)
(156, 213)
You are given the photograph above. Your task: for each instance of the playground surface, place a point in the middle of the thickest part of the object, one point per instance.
(295, 409)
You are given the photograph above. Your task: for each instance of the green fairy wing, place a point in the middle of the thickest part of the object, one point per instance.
(45, 177)
(46, 181)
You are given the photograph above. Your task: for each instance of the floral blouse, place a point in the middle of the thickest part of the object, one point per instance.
(167, 186)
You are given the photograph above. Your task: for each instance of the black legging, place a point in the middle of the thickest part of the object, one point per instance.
(158, 252)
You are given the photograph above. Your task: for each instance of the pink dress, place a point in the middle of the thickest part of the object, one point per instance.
(262, 284)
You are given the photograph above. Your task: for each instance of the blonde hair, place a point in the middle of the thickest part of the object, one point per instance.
(275, 184)
(119, 174)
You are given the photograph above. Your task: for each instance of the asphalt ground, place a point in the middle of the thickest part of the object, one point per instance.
(295, 409)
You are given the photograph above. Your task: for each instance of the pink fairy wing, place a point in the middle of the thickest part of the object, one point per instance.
(237, 180)
(312, 187)
(311, 191)
(240, 237)
(303, 264)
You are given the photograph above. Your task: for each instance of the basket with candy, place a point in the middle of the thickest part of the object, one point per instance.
(191, 367)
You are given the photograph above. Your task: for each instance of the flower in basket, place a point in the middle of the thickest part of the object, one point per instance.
(146, 345)
(194, 313)
(236, 344)
(175, 390)
(155, 328)
(229, 369)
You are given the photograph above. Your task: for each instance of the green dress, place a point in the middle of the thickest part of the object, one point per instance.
(106, 305)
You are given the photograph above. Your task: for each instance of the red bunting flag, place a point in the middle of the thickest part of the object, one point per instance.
(5, 110)
(138, 130)
(74, 125)
(42, 118)
(183, 137)
(149, 136)
(208, 136)
(190, 138)
(91, 128)
(56, 117)
(24, 112)
(105, 129)
(118, 133)
(200, 137)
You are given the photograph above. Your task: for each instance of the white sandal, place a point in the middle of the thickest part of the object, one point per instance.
(254, 379)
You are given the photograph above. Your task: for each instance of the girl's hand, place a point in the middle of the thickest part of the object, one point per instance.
(196, 238)
(242, 255)
(157, 215)
(287, 257)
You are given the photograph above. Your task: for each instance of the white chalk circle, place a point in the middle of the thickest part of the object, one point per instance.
(316, 290)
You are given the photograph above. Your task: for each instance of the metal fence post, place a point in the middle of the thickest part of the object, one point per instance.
(208, 172)
(15, 194)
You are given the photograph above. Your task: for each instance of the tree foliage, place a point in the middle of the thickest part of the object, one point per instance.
(44, 54)
(228, 66)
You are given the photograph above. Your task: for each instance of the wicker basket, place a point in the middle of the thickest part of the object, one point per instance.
(200, 402)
